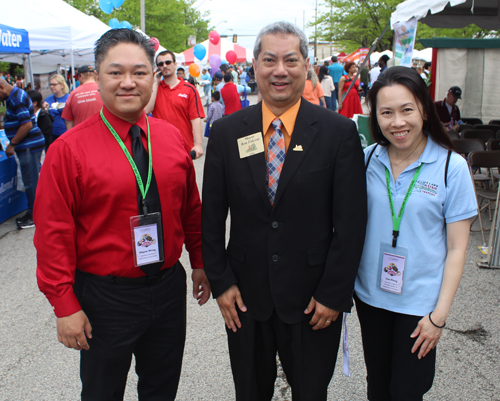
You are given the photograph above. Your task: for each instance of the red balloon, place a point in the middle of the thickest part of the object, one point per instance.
(156, 43)
(214, 37)
(231, 57)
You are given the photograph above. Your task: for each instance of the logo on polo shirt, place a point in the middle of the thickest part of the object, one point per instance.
(426, 187)
(183, 95)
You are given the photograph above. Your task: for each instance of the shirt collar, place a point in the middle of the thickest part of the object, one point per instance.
(164, 84)
(122, 127)
(288, 118)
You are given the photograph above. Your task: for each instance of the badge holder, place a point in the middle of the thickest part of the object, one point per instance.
(147, 239)
(392, 264)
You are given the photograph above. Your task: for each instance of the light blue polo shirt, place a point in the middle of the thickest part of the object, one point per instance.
(422, 230)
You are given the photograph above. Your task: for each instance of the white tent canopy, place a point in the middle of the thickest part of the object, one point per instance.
(57, 32)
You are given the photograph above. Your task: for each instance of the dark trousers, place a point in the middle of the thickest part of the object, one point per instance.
(394, 373)
(308, 357)
(147, 321)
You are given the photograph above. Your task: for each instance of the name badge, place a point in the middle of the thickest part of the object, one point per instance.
(251, 145)
(392, 268)
(147, 239)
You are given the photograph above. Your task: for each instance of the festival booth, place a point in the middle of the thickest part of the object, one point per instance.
(12, 41)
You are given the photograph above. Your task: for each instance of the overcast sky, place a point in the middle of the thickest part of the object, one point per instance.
(247, 17)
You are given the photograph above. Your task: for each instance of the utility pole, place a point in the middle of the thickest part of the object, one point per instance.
(143, 16)
(316, 32)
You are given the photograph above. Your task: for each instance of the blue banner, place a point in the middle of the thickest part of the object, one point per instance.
(14, 40)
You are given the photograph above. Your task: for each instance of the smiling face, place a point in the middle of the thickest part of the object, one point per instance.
(125, 81)
(280, 71)
(399, 117)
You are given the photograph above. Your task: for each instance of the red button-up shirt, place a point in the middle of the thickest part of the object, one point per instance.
(86, 195)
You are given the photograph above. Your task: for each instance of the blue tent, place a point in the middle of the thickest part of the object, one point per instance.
(15, 40)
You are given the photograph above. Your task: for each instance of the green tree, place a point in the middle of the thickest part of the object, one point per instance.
(171, 21)
(350, 25)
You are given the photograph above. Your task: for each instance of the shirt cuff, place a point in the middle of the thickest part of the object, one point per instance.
(65, 305)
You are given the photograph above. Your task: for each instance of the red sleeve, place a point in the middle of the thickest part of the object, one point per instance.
(67, 114)
(195, 106)
(58, 199)
(191, 220)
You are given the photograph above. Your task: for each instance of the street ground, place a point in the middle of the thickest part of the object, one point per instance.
(34, 366)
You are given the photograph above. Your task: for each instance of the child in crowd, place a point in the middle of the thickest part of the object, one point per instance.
(215, 111)
(43, 118)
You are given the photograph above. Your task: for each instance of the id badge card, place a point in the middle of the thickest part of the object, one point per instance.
(147, 239)
(392, 264)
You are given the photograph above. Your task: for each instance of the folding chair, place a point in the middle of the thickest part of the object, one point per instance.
(484, 134)
(453, 134)
(463, 127)
(471, 120)
(492, 127)
(466, 146)
(484, 159)
(494, 122)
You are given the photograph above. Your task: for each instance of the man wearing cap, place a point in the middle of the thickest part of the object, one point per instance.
(448, 111)
(84, 101)
(177, 101)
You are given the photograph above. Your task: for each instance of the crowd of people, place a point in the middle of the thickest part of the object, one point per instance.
(117, 199)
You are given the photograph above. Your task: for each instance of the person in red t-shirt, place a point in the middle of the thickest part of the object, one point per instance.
(230, 95)
(177, 101)
(84, 101)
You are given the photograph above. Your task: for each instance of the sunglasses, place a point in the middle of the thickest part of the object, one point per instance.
(168, 62)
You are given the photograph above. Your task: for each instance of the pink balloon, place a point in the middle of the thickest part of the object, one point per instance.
(231, 56)
(214, 37)
(155, 42)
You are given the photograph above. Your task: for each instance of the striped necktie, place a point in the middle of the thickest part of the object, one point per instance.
(275, 159)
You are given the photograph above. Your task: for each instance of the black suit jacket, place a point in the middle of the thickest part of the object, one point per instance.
(309, 243)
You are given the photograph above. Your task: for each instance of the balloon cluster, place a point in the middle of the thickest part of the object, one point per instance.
(107, 7)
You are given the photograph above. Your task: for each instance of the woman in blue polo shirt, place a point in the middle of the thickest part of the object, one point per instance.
(56, 102)
(416, 239)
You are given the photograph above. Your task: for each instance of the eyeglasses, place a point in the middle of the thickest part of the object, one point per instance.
(55, 84)
(167, 62)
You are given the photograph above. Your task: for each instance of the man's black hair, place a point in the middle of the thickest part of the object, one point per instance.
(114, 37)
(216, 95)
(228, 77)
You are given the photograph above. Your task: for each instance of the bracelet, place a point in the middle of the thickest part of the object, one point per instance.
(13, 144)
(434, 324)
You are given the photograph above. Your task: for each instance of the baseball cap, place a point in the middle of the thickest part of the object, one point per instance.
(83, 69)
(218, 75)
(456, 92)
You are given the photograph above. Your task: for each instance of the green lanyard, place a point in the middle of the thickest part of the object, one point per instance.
(144, 191)
(396, 221)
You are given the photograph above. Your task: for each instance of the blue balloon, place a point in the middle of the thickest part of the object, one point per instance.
(114, 23)
(223, 62)
(117, 3)
(199, 51)
(125, 24)
(106, 6)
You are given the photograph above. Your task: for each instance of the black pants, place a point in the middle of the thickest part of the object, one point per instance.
(394, 373)
(308, 357)
(148, 321)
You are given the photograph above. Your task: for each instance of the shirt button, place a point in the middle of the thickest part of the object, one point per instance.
(275, 258)
(274, 224)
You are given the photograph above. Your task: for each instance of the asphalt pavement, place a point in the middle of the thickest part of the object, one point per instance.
(34, 366)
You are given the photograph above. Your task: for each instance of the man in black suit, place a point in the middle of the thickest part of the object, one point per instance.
(297, 227)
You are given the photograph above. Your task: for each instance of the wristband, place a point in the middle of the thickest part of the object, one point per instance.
(434, 324)
(13, 144)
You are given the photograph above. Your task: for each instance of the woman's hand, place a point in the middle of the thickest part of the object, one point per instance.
(427, 335)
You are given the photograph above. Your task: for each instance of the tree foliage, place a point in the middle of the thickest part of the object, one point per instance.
(171, 21)
(353, 24)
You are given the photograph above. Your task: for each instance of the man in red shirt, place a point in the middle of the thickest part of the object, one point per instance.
(230, 95)
(177, 101)
(112, 218)
(84, 101)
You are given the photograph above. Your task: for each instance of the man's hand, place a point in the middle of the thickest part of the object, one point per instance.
(72, 329)
(199, 151)
(323, 316)
(226, 303)
(10, 151)
(201, 286)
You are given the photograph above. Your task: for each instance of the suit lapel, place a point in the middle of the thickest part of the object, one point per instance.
(303, 135)
(257, 163)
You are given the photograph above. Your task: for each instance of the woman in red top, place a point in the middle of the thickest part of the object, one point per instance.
(351, 104)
